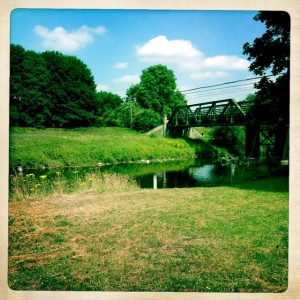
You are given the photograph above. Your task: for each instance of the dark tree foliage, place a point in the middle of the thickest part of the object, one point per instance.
(107, 102)
(72, 91)
(231, 138)
(131, 115)
(50, 90)
(29, 79)
(156, 90)
(271, 53)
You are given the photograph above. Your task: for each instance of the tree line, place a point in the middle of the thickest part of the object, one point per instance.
(51, 89)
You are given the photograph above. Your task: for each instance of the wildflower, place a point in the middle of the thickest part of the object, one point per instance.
(57, 173)
(32, 189)
(90, 179)
(30, 175)
(37, 185)
(43, 176)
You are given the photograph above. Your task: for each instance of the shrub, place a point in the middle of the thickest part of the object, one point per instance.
(231, 138)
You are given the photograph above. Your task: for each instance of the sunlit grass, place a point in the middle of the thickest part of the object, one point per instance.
(30, 186)
(34, 148)
(224, 239)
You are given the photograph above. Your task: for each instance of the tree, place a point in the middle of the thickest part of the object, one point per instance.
(231, 138)
(17, 56)
(251, 97)
(131, 115)
(156, 90)
(72, 91)
(29, 79)
(107, 103)
(271, 52)
(50, 90)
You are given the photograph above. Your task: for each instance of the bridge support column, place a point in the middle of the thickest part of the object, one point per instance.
(252, 140)
(281, 141)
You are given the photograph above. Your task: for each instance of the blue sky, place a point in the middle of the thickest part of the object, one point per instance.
(201, 47)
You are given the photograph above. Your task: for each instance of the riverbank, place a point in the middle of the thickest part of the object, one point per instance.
(221, 239)
(39, 148)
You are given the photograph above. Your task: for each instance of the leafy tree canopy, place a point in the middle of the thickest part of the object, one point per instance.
(50, 90)
(156, 90)
(271, 53)
(107, 101)
(130, 115)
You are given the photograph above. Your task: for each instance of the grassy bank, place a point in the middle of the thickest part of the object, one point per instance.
(202, 239)
(90, 146)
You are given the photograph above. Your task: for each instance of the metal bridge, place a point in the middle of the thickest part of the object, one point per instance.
(214, 113)
(229, 112)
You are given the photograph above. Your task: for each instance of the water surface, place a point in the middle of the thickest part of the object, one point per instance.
(171, 174)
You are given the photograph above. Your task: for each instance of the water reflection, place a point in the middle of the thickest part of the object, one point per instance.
(196, 175)
(172, 174)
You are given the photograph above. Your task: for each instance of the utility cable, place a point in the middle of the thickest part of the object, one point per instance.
(225, 83)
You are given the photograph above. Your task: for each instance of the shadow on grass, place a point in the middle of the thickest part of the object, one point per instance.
(276, 184)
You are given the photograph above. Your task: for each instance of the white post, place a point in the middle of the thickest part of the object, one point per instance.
(165, 125)
(154, 181)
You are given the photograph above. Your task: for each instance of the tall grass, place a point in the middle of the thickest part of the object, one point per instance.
(31, 186)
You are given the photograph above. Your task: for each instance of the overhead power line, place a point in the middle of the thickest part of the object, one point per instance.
(225, 83)
(226, 88)
(208, 93)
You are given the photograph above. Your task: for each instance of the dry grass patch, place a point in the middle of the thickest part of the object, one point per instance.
(203, 239)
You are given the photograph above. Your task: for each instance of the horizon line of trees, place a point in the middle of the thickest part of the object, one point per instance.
(51, 89)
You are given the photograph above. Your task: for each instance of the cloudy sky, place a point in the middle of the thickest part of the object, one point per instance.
(203, 48)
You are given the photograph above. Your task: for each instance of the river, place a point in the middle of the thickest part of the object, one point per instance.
(171, 174)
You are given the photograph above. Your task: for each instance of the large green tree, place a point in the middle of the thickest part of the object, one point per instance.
(50, 90)
(271, 53)
(72, 91)
(156, 90)
(29, 78)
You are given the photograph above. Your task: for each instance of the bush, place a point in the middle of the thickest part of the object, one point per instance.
(231, 138)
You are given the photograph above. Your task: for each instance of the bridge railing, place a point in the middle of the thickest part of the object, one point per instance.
(221, 112)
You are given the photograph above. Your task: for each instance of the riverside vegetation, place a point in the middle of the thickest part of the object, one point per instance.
(50, 148)
(35, 148)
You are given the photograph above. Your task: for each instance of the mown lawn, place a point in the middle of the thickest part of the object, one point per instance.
(221, 239)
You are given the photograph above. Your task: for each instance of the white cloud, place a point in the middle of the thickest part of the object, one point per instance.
(69, 41)
(101, 87)
(208, 74)
(121, 65)
(227, 62)
(164, 50)
(128, 79)
(188, 57)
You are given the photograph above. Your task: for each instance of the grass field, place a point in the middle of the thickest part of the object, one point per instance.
(34, 148)
(221, 239)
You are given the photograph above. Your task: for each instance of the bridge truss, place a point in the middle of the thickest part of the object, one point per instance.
(228, 112)
(214, 113)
